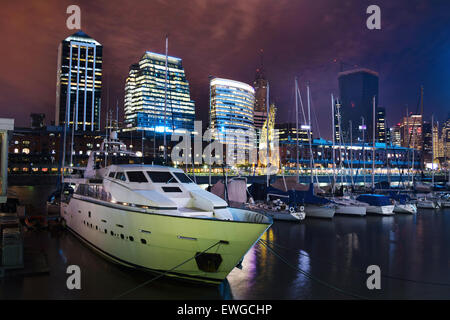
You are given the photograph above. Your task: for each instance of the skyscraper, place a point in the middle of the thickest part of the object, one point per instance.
(146, 98)
(232, 105)
(260, 111)
(79, 82)
(356, 89)
(380, 122)
(396, 136)
(411, 131)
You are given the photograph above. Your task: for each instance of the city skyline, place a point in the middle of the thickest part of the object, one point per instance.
(230, 48)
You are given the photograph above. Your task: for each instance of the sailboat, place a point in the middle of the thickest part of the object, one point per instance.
(403, 203)
(378, 204)
(315, 206)
(344, 205)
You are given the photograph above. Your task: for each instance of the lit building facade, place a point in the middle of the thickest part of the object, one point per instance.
(396, 136)
(146, 98)
(79, 82)
(287, 132)
(260, 111)
(232, 105)
(357, 89)
(380, 130)
(411, 131)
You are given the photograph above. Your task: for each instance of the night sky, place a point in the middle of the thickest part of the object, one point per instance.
(223, 38)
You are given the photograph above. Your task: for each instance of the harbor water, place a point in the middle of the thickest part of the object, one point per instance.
(312, 259)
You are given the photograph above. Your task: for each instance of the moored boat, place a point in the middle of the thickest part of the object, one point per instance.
(378, 204)
(155, 218)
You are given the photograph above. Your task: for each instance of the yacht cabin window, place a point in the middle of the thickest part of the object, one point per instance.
(161, 177)
(121, 176)
(112, 174)
(136, 176)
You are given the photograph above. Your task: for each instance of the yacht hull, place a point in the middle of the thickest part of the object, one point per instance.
(319, 211)
(427, 204)
(159, 242)
(383, 210)
(351, 210)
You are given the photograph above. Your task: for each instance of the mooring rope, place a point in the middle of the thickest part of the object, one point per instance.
(310, 276)
(166, 272)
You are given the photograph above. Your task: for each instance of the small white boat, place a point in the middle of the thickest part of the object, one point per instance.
(377, 204)
(427, 204)
(405, 208)
(403, 204)
(349, 206)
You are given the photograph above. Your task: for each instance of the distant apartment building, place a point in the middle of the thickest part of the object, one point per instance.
(380, 131)
(287, 133)
(153, 104)
(411, 131)
(79, 82)
(395, 135)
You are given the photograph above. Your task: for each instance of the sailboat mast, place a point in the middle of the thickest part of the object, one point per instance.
(333, 151)
(296, 127)
(432, 151)
(351, 152)
(267, 132)
(363, 149)
(165, 102)
(373, 144)
(309, 134)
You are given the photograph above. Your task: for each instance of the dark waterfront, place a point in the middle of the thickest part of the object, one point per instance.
(412, 251)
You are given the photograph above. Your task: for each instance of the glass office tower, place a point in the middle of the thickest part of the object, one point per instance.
(79, 56)
(232, 104)
(146, 96)
(357, 89)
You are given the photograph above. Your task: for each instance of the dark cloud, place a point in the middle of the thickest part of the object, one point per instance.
(223, 38)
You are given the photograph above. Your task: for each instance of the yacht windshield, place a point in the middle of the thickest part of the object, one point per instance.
(161, 177)
(182, 177)
(136, 176)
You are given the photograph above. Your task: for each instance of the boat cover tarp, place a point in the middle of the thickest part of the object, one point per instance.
(374, 199)
(400, 197)
(297, 197)
(291, 183)
(236, 188)
(218, 189)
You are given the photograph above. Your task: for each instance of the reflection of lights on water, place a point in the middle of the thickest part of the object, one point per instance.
(61, 253)
(304, 264)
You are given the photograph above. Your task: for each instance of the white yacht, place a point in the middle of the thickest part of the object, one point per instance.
(348, 206)
(156, 218)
